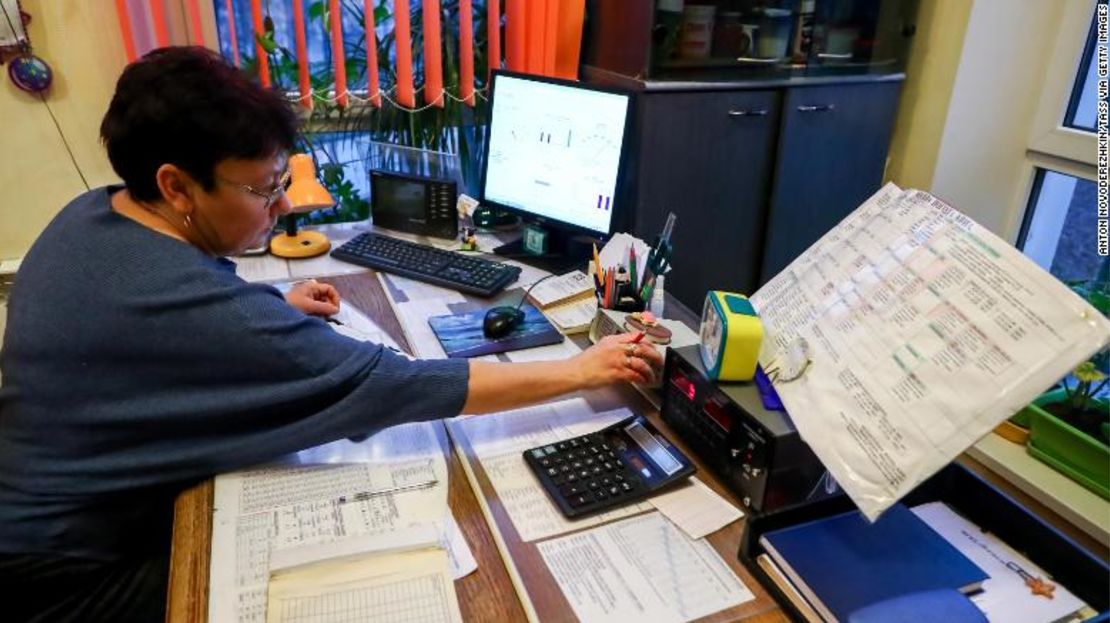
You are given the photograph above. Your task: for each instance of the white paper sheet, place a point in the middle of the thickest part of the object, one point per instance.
(281, 507)
(1005, 596)
(696, 509)
(391, 588)
(563, 350)
(573, 317)
(499, 441)
(322, 266)
(924, 332)
(615, 252)
(567, 286)
(641, 569)
(264, 268)
(404, 442)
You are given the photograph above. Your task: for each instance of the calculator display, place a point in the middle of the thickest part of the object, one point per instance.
(651, 446)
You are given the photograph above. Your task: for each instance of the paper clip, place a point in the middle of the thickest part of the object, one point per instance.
(792, 363)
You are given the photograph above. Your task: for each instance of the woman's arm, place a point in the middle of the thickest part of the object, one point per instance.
(500, 386)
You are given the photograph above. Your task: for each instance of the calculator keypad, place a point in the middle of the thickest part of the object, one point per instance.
(588, 473)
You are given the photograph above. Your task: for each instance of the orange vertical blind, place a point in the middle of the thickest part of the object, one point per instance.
(493, 35)
(158, 16)
(568, 44)
(302, 55)
(533, 35)
(403, 37)
(194, 22)
(550, 36)
(466, 51)
(371, 53)
(259, 30)
(125, 29)
(433, 55)
(515, 24)
(336, 20)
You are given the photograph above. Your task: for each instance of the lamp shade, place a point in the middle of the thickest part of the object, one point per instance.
(305, 192)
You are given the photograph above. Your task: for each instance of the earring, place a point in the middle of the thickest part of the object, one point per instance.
(188, 222)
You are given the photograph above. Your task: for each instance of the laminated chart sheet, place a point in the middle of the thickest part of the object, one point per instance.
(922, 331)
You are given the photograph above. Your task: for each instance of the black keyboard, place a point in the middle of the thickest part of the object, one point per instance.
(620, 464)
(423, 263)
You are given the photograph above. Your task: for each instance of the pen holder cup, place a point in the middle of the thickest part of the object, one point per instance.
(626, 300)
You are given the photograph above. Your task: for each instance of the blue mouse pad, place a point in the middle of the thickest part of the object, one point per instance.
(461, 334)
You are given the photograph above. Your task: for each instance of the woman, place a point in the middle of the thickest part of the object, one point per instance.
(136, 363)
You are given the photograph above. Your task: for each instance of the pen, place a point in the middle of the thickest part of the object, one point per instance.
(639, 336)
(597, 267)
(366, 495)
(632, 266)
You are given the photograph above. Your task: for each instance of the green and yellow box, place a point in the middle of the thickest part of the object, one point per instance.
(731, 335)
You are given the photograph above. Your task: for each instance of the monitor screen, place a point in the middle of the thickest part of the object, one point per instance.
(555, 150)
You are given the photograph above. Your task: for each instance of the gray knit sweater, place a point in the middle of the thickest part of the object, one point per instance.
(134, 365)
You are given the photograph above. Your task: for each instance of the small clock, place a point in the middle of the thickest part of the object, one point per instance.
(731, 335)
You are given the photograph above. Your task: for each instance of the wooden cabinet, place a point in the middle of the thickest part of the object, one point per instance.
(832, 151)
(709, 158)
(755, 173)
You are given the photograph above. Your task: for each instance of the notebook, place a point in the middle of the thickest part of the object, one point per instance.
(563, 289)
(843, 563)
(461, 334)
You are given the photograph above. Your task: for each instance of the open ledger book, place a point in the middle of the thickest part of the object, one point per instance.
(568, 301)
(922, 331)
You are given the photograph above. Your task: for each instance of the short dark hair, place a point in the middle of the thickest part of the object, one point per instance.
(187, 107)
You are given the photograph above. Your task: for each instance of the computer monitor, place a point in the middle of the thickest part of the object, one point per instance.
(555, 155)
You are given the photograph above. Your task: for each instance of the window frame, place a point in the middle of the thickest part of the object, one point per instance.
(1048, 135)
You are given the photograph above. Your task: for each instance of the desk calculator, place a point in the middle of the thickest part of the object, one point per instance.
(623, 463)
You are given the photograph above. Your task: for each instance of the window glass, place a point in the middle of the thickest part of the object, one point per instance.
(1081, 107)
(1059, 232)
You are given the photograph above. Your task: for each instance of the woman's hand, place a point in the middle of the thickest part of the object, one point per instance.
(314, 298)
(617, 358)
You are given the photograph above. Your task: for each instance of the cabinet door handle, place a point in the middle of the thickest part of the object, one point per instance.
(744, 112)
(818, 108)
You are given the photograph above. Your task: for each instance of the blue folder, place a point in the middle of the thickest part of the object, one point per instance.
(842, 563)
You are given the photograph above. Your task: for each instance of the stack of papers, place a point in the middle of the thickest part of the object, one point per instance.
(396, 577)
(568, 301)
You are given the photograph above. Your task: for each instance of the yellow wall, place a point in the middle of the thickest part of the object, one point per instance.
(930, 77)
(80, 40)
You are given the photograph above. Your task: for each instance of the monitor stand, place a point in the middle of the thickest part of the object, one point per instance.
(566, 252)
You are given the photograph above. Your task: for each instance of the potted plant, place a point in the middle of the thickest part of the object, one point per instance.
(332, 134)
(1070, 429)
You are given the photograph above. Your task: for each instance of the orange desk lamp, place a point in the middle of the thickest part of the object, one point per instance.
(306, 193)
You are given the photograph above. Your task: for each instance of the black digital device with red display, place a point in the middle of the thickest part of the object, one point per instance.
(617, 465)
(756, 452)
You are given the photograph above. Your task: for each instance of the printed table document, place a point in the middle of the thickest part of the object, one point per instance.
(923, 331)
(403, 484)
(641, 569)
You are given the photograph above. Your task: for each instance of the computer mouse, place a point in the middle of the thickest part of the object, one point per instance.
(500, 321)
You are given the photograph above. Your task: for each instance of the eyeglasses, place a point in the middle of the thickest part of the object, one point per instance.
(272, 196)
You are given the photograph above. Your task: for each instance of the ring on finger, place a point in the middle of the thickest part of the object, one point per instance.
(628, 361)
(630, 349)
